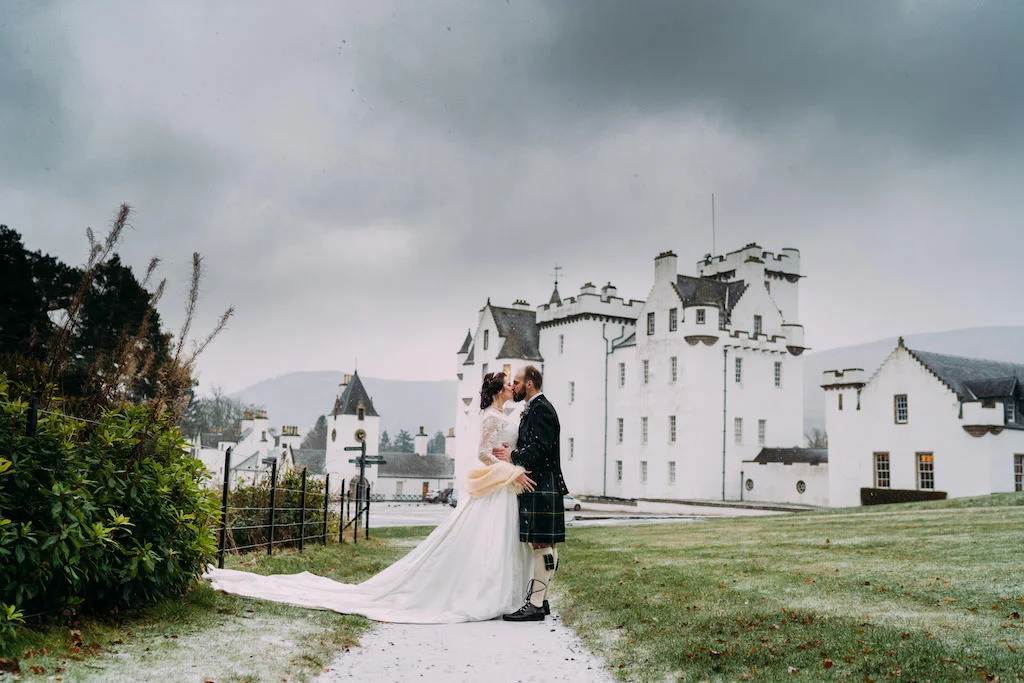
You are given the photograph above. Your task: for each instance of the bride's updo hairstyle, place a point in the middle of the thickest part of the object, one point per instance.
(493, 383)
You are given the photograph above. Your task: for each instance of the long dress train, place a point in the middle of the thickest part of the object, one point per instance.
(472, 567)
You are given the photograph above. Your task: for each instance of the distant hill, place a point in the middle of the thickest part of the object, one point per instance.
(299, 398)
(993, 343)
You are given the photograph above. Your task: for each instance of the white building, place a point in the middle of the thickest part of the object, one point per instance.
(670, 408)
(256, 443)
(924, 424)
(413, 475)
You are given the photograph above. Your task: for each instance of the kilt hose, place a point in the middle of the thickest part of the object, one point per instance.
(542, 512)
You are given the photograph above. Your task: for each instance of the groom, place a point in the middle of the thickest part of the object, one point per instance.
(541, 511)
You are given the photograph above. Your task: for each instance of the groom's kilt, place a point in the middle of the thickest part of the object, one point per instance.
(542, 512)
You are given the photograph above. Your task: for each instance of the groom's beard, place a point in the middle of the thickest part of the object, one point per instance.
(518, 396)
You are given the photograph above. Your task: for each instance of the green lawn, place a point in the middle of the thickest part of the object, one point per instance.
(923, 591)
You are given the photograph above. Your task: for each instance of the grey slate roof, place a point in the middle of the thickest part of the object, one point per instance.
(469, 358)
(628, 341)
(974, 378)
(520, 331)
(312, 459)
(354, 395)
(468, 343)
(555, 299)
(412, 466)
(702, 290)
(788, 456)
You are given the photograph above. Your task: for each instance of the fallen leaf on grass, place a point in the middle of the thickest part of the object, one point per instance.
(827, 663)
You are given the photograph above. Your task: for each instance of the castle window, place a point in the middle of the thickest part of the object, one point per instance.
(900, 411)
(507, 369)
(487, 334)
(647, 371)
(621, 429)
(737, 428)
(673, 319)
(926, 471)
(1010, 411)
(671, 428)
(483, 370)
(671, 471)
(881, 470)
(643, 470)
(674, 364)
(572, 448)
(761, 427)
(840, 401)
(572, 392)
(361, 413)
(700, 316)
(561, 344)
(622, 374)
(739, 371)
(643, 430)
(1018, 471)
(618, 470)
(650, 323)
(778, 373)
(757, 324)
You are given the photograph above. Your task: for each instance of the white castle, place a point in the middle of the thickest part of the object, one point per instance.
(663, 399)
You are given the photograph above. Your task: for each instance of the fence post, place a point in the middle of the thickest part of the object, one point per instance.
(273, 496)
(341, 517)
(367, 512)
(359, 512)
(327, 496)
(224, 509)
(33, 416)
(302, 511)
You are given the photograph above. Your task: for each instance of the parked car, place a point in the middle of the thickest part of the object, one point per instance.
(453, 498)
(440, 496)
(571, 503)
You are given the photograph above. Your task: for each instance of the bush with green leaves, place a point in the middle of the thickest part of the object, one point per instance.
(96, 515)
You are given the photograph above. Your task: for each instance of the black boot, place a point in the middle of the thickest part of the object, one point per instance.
(528, 612)
(547, 608)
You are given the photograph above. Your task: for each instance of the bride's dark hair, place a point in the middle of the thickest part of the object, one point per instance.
(492, 385)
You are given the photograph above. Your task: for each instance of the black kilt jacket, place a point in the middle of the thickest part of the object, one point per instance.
(541, 511)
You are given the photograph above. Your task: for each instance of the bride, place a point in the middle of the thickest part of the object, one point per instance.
(472, 567)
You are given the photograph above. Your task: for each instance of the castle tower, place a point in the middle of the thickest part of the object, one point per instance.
(353, 410)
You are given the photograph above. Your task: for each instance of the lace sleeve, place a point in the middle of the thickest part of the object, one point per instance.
(490, 436)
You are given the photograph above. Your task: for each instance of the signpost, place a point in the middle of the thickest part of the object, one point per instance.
(362, 460)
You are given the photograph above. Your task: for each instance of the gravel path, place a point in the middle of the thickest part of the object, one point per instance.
(494, 651)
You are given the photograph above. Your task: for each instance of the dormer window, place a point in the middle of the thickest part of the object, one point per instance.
(1010, 411)
(361, 413)
(757, 324)
(700, 316)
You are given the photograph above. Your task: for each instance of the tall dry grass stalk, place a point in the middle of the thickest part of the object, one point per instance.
(114, 377)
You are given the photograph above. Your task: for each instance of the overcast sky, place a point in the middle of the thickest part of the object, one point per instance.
(361, 176)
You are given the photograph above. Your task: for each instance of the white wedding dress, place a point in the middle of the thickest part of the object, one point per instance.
(472, 567)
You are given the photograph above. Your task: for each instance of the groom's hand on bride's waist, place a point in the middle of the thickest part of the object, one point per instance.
(502, 452)
(527, 483)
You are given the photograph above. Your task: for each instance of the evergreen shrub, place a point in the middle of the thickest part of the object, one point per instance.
(96, 515)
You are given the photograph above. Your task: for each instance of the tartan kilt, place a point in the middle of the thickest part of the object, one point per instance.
(542, 511)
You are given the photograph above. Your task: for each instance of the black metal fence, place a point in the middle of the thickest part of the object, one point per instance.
(285, 516)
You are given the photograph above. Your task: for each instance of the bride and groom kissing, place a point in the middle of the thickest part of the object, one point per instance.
(500, 541)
